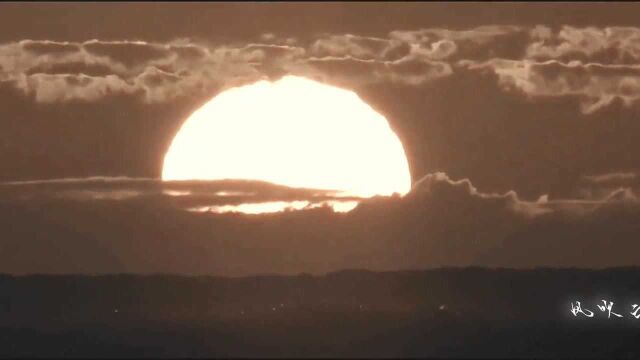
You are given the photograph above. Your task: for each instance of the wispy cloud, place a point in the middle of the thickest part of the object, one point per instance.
(596, 65)
(596, 85)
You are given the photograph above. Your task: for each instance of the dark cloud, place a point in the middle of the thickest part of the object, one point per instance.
(597, 65)
(612, 178)
(479, 43)
(621, 185)
(600, 238)
(396, 51)
(182, 194)
(596, 85)
(71, 67)
(442, 222)
(614, 45)
(49, 47)
(349, 71)
(155, 77)
(365, 48)
(189, 53)
(129, 53)
(50, 88)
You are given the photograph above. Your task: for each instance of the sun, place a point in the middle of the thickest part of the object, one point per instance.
(295, 132)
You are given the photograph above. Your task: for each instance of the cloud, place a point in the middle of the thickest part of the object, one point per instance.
(478, 43)
(53, 71)
(596, 85)
(617, 177)
(49, 47)
(348, 70)
(128, 53)
(50, 88)
(618, 185)
(85, 180)
(91, 70)
(439, 183)
(614, 45)
(598, 66)
(432, 188)
(182, 194)
(361, 47)
(441, 222)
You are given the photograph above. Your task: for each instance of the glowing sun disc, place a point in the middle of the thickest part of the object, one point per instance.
(294, 132)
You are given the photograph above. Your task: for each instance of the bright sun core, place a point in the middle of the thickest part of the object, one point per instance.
(294, 132)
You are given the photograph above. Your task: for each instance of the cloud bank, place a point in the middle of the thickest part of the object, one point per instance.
(599, 66)
(106, 225)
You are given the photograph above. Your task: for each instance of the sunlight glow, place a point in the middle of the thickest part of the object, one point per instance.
(294, 132)
(277, 206)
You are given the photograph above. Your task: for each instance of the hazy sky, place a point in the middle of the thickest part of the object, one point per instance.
(520, 122)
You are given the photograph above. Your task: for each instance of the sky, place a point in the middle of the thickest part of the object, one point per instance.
(519, 122)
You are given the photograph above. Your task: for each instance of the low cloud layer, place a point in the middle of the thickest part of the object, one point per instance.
(596, 65)
(103, 225)
(183, 195)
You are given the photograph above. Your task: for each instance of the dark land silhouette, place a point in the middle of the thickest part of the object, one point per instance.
(449, 312)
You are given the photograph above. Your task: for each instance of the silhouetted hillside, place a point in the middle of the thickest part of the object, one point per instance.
(472, 312)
